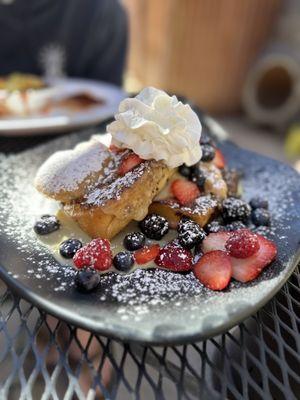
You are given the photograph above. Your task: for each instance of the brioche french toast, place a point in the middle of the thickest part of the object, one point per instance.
(93, 191)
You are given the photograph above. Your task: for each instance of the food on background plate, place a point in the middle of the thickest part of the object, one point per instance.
(28, 95)
(160, 195)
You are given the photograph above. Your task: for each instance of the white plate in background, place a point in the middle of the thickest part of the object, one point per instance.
(61, 120)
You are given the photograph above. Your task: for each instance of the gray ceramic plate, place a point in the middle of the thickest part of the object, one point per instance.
(147, 306)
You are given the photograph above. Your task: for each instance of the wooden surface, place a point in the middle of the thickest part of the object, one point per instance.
(200, 48)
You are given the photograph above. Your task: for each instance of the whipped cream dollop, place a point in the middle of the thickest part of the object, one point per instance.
(158, 126)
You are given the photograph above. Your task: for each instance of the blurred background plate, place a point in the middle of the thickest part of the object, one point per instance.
(61, 119)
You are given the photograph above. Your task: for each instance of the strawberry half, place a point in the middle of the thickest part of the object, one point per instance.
(215, 241)
(95, 254)
(242, 244)
(115, 149)
(128, 163)
(219, 159)
(247, 269)
(146, 254)
(184, 191)
(214, 270)
(174, 257)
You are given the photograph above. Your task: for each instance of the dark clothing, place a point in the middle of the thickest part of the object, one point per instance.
(90, 36)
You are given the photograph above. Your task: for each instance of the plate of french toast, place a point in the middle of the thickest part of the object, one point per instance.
(157, 230)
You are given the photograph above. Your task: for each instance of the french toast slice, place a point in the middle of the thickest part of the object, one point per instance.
(116, 200)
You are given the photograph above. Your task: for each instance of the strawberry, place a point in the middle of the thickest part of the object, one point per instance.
(146, 254)
(184, 191)
(214, 270)
(215, 241)
(219, 159)
(113, 148)
(128, 163)
(242, 244)
(95, 254)
(247, 269)
(174, 257)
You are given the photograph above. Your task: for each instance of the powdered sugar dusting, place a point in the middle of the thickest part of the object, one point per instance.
(145, 300)
(66, 169)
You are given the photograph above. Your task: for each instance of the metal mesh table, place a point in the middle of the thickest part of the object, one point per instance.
(43, 358)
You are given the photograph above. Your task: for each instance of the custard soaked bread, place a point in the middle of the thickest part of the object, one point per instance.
(102, 189)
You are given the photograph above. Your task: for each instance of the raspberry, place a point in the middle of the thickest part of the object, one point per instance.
(174, 257)
(242, 244)
(96, 254)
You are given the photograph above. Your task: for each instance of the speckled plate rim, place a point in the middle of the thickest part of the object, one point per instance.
(115, 332)
(160, 336)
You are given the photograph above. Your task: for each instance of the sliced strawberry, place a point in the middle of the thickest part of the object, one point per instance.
(242, 243)
(214, 270)
(174, 257)
(128, 163)
(215, 241)
(95, 254)
(115, 149)
(184, 191)
(146, 254)
(219, 159)
(247, 269)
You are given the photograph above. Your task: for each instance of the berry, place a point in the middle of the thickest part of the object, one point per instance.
(87, 279)
(206, 139)
(261, 217)
(258, 202)
(46, 224)
(115, 149)
(134, 241)
(190, 233)
(123, 261)
(184, 170)
(184, 191)
(219, 160)
(242, 244)
(69, 247)
(208, 152)
(146, 254)
(174, 257)
(97, 254)
(128, 163)
(154, 226)
(215, 241)
(198, 177)
(215, 226)
(235, 209)
(214, 270)
(234, 226)
(247, 269)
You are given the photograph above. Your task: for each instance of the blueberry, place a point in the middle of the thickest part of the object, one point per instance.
(206, 139)
(208, 152)
(198, 177)
(123, 261)
(69, 247)
(235, 225)
(134, 241)
(87, 280)
(46, 224)
(154, 226)
(258, 202)
(189, 233)
(184, 170)
(234, 209)
(261, 217)
(214, 227)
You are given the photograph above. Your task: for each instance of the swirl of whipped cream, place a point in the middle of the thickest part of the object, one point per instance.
(157, 126)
